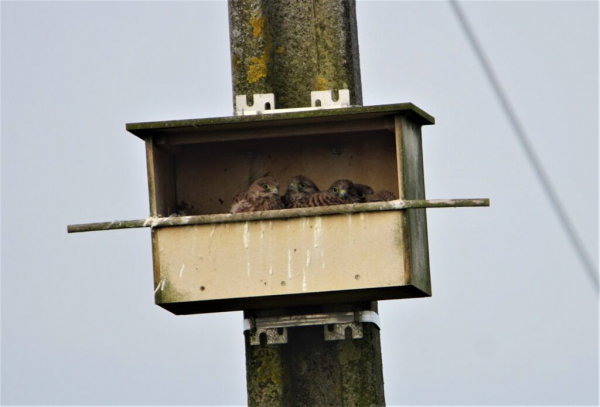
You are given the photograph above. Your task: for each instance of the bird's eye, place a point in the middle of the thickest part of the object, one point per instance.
(363, 196)
(265, 187)
(301, 185)
(335, 190)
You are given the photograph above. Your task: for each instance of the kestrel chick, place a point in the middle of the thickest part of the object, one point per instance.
(299, 190)
(340, 192)
(382, 195)
(363, 192)
(263, 195)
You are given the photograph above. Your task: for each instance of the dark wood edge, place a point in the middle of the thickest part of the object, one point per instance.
(293, 300)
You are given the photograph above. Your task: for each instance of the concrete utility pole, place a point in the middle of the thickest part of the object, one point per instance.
(290, 48)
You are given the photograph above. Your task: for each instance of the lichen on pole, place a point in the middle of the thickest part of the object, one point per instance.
(292, 47)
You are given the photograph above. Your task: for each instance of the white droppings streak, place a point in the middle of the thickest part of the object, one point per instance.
(147, 221)
(162, 286)
(271, 270)
(304, 285)
(161, 283)
(181, 271)
(362, 216)
(317, 232)
(323, 265)
(155, 222)
(289, 264)
(212, 231)
(246, 235)
(308, 258)
(262, 229)
(349, 219)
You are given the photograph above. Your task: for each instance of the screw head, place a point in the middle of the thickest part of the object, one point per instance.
(250, 154)
(202, 288)
(336, 150)
(283, 283)
(357, 276)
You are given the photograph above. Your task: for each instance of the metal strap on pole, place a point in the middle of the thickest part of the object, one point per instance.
(335, 325)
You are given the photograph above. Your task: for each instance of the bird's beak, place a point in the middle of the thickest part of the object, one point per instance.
(275, 191)
(343, 193)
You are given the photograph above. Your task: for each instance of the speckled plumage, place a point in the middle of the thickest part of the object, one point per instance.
(299, 190)
(340, 192)
(363, 192)
(382, 195)
(263, 195)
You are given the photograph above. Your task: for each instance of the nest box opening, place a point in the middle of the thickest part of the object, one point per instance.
(203, 178)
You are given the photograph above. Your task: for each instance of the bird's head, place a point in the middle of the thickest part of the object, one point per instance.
(265, 186)
(363, 192)
(303, 185)
(343, 188)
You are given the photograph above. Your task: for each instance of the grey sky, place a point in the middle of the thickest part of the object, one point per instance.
(513, 318)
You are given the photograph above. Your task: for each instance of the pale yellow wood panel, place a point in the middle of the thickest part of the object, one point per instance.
(266, 258)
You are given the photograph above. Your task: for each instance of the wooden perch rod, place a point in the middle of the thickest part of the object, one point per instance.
(156, 222)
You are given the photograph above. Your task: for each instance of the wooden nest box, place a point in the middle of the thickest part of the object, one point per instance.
(292, 257)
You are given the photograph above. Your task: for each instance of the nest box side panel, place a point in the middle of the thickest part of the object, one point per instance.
(161, 180)
(155, 259)
(412, 186)
(209, 175)
(248, 260)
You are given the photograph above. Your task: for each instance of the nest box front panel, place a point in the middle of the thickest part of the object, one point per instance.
(248, 260)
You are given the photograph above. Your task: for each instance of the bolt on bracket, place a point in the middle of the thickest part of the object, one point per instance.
(334, 325)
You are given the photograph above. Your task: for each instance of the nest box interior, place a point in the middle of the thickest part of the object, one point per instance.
(196, 167)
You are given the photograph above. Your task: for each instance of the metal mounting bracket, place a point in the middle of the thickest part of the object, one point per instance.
(264, 103)
(324, 98)
(335, 325)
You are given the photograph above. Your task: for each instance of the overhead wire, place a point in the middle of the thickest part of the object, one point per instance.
(528, 148)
